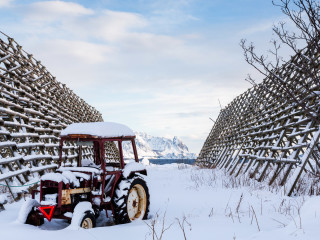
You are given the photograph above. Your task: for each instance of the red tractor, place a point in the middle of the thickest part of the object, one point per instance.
(100, 179)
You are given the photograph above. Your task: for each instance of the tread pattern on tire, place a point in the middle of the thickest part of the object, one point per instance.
(121, 196)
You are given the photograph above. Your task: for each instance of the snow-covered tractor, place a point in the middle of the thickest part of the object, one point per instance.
(100, 179)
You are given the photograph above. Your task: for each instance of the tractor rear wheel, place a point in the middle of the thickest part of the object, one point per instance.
(131, 200)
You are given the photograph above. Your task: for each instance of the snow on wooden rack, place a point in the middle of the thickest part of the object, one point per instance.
(99, 129)
(7, 175)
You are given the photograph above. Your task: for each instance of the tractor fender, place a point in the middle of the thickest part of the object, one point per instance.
(26, 208)
(132, 168)
(79, 212)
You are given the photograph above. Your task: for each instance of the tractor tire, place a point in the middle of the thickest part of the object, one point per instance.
(35, 219)
(131, 200)
(96, 213)
(88, 221)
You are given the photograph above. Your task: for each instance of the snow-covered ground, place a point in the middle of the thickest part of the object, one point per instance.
(208, 204)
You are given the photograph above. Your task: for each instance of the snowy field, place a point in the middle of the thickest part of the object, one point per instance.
(192, 203)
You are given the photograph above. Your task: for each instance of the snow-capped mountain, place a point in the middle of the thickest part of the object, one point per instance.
(158, 147)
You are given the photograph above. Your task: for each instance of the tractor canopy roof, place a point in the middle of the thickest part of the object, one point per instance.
(98, 129)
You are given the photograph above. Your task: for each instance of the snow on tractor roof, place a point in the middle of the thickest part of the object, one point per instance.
(99, 129)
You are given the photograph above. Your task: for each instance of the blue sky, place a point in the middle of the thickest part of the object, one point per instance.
(158, 66)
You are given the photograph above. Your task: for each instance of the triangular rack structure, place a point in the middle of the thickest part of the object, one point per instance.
(34, 108)
(264, 135)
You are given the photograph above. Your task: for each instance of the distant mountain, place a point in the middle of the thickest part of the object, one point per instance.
(158, 147)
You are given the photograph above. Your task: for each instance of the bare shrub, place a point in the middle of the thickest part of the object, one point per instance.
(182, 166)
(153, 226)
(255, 216)
(182, 226)
(221, 178)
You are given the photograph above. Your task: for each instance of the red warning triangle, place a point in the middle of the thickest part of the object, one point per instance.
(47, 211)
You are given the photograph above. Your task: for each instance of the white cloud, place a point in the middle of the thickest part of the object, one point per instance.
(167, 12)
(127, 32)
(177, 109)
(259, 27)
(121, 63)
(88, 53)
(55, 10)
(113, 25)
(5, 3)
(107, 25)
(172, 17)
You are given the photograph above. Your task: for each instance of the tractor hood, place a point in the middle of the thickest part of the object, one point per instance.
(67, 177)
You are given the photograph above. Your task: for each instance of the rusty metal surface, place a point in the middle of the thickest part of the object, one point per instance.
(66, 194)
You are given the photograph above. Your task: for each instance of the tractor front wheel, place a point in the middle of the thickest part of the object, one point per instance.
(88, 221)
